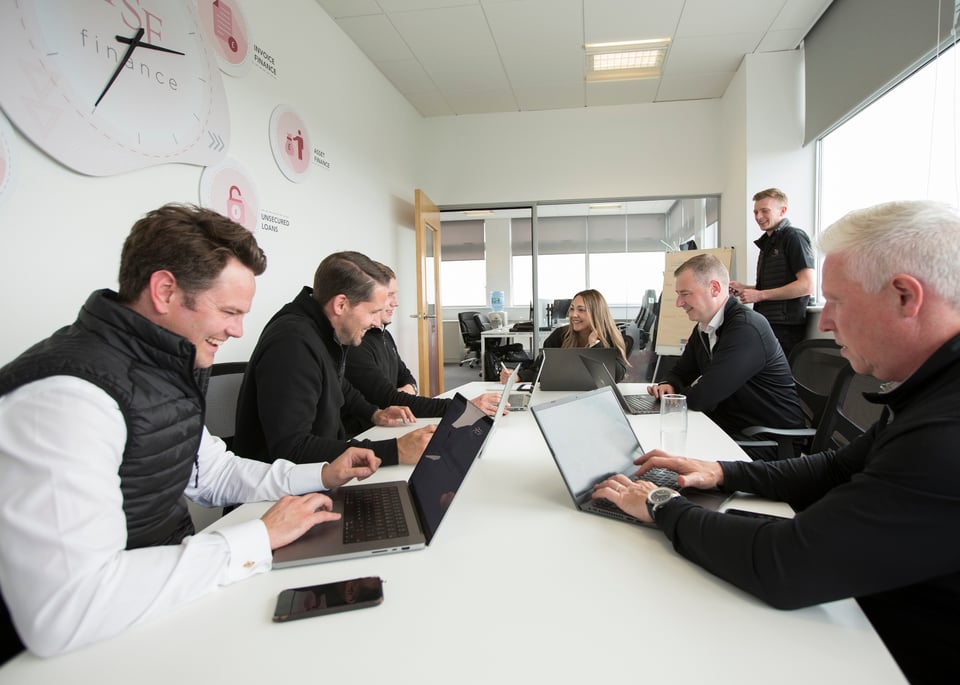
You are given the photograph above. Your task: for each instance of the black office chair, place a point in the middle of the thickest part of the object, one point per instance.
(222, 391)
(470, 333)
(483, 323)
(849, 413)
(815, 365)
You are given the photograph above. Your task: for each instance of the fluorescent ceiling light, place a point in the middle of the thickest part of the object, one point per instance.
(478, 212)
(606, 206)
(624, 60)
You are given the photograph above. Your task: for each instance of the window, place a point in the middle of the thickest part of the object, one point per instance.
(901, 147)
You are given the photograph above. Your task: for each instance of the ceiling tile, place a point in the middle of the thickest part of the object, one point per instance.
(622, 92)
(481, 101)
(558, 97)
(611, 20)
(696, 86)
(776, 41)
(407, 75)
(710, 53)
(800, 14)
(376, 36)
(709, 17)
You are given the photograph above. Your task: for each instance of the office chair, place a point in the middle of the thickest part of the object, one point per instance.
(470, 333)
(815, 364)
(483, 323)
(849, 414)
(223, 389)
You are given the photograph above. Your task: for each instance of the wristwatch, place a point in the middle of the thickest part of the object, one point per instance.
(657, 498)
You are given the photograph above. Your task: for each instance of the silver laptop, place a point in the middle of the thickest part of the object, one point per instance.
(518, 400)
(563, 370)
(591, 439)
(631, 404)
(398, 516)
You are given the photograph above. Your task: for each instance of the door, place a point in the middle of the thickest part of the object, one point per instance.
(429, 317)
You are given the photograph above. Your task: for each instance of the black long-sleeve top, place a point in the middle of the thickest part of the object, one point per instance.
(376, 370)
(293, 391)
(877, 520)
(745, 380)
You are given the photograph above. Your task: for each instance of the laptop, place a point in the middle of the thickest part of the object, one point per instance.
(411, 510)
(519, 400)
(631, 404)
(563, 370)
(591, 439)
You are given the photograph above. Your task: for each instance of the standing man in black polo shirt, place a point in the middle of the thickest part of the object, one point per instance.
(785, 279)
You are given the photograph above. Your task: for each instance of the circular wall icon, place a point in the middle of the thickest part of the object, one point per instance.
(290, 143)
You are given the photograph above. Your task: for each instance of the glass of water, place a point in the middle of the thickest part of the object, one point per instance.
(673, 424)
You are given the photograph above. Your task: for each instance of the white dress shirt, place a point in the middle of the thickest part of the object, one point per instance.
(65, 574)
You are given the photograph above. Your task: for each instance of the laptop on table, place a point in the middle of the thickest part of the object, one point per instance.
(591, 440)
(563, 370)
(631, 404)
(397, 516)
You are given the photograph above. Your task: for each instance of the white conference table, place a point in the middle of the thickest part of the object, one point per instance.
(517, 586)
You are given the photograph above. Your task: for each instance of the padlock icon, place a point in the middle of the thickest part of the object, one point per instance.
(235, 205)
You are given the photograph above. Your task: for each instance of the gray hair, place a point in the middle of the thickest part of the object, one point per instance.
(920, 238)
(705, 268)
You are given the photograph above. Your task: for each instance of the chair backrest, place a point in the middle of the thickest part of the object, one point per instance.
(222, 393)
(469, 330)
(815, 365)
(483, 321)
(848, 413)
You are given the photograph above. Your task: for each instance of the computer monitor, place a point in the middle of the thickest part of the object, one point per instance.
(561, 309)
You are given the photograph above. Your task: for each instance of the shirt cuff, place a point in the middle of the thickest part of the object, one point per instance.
(250, 551)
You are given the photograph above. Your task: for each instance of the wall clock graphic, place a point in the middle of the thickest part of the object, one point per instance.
(106, 88)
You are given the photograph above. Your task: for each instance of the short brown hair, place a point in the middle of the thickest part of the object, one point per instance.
(192, 243)
(348, 273)
(775, 193)
(705, 268)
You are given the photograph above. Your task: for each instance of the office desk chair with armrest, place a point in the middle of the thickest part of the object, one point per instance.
(221, 395)
(849, 414)
(483, 323)
(816, 365)
(470, 333)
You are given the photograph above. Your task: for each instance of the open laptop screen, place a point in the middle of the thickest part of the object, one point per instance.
(589, 437)
(446, 460)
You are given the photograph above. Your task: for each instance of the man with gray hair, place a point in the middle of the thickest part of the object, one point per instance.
(732, 367)
(877, 519)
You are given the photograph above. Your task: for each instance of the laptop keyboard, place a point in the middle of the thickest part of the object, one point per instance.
(662, 477)
(372, 514)
(647, 404)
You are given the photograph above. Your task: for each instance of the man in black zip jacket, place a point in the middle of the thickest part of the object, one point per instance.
(877, 519)
(375, 369)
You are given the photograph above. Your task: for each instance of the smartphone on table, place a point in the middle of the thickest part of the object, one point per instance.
(328, 598)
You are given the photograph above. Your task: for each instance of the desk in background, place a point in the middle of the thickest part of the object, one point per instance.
(508, 336)
(518, 586)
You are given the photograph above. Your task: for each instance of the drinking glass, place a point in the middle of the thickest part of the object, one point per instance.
(673, 424)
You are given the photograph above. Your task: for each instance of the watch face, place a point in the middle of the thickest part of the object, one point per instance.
(110, 87)
(660, 495)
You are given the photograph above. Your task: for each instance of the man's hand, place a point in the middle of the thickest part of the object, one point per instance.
(355, 462)
(660, 390)
(410, 446)
(409, 389)
(629, 495)
(393, 416)
(488, 402)
(750, 295)
(694, 473)
(292, 516)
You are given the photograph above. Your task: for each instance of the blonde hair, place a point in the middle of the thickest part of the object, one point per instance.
(603, 324)
(920, 238)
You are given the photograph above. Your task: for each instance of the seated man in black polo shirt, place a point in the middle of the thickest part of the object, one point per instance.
(732, 367)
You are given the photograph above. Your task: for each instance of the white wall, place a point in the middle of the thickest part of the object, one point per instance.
(62, 232)
(644, 150)
(746, 141)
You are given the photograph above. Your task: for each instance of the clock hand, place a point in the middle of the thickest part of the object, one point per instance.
(136, 43)
(121, 65)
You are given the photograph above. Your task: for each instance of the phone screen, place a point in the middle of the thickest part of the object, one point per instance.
(329, 598)
(755, 515)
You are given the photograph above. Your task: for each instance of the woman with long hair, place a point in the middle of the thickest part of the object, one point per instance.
(591, 325)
